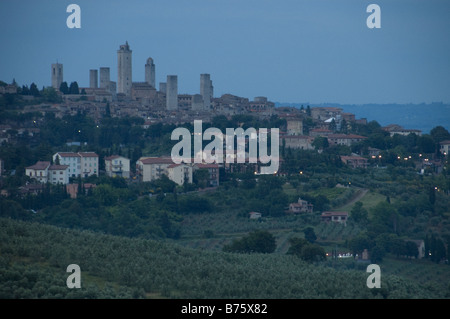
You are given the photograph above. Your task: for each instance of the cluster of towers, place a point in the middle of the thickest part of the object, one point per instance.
(125, 83)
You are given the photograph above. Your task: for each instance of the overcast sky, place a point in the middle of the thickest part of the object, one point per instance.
(316, 51)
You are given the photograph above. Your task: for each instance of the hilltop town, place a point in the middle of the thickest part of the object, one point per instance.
(99, 158)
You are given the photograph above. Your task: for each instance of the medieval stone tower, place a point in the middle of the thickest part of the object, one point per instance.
(150, 72)
(172, 92)
(206, 90)
(124, 73)
(57, 75)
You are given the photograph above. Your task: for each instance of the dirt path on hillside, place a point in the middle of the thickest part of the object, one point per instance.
(361, 193)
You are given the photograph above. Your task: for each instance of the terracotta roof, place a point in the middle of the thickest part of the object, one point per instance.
(157, 160)
(68, 154)
(114, 157)
(88, 154)
(41, 165)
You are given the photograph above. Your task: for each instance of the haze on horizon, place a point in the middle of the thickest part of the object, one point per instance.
(320, 51)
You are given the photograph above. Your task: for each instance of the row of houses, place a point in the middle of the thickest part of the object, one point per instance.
(305, 142)
(151, 168)
(85, 164)
(65, 165)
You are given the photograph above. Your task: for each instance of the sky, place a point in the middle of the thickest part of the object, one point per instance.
(314, 51)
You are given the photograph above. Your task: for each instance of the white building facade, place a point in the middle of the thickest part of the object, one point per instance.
(82, 164)
(117, 166)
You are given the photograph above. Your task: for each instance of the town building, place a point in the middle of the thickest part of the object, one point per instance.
(355, 161)
(301, 206)
(117, 166)
(44, 172)
(255, 215)
(152, 168)
(261, 107)
(82, 164)
(320, 132)
(180, 173)
(213, 173)
(294, 126)
(393, 129)
(72, 189)
(444, 147)
(335, 217)
(324, 113)
(302, 142)
(38, 171)
(344, 139)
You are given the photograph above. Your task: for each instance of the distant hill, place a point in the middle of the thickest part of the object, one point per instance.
(411, 116)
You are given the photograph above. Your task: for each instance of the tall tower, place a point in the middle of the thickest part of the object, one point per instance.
(57, 75)
(163, 87)
(124, 80)
(93, 79)
(206, 90)
(172, 92)
(150, 72)
(104, 78)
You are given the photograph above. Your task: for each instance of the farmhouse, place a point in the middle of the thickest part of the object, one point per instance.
(335, 217)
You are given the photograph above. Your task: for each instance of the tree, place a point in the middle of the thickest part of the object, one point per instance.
(439, 134)
(384, 218)
(376, 254)
(201, 177)
(34, 90)
(305, 250)
(360, 242)
(359, 213)
(411, 249)
(320, 142)
(107, 110)
(310, 235)
(332, 125)
(259, 241)
(50, 95)
(313, 252)
(73, 89)
(64, 88)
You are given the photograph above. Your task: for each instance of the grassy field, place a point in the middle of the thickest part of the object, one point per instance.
(369, 200)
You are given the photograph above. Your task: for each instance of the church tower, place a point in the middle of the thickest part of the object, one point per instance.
(57, 75)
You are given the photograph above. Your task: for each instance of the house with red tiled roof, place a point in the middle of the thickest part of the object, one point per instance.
(344, 139)
(335, 217)
(44, 172)
(355, 161)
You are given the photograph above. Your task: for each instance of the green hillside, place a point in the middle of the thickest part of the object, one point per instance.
(34, 258)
